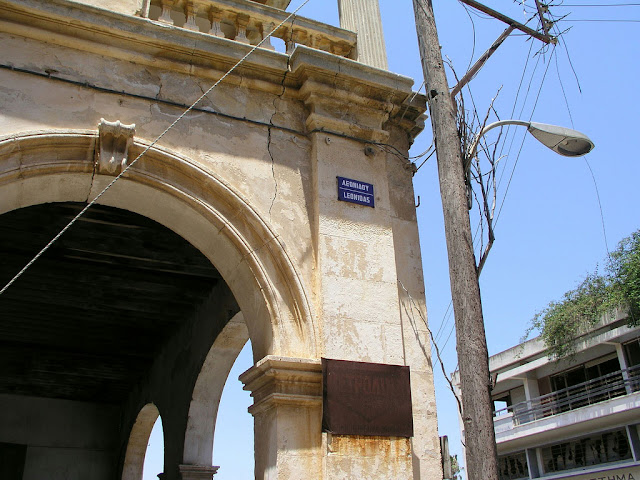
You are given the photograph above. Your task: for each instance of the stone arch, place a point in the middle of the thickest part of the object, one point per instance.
(203, 410)
(138, 440)
(58, 166)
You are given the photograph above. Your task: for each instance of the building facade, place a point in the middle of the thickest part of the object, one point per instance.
(573, 418)
(208, 227)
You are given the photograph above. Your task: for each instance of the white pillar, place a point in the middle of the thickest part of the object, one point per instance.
(363, 17)
(624, 366)
(531, 392)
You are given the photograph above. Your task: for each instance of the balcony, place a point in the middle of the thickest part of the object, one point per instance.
(248, 22)
(594, 391)
(603, 400)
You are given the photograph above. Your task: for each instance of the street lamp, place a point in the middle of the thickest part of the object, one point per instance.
(562, 140)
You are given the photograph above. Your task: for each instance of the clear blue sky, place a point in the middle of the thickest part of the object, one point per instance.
(549, 232)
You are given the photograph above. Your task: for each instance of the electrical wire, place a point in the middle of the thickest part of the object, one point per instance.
(509, 129)
(600, 20)
(147, 148)
(564, 93)
(598, 5)
(473, 27)
(425, 160)
(604, 230)
(424, 320)
(523, 140)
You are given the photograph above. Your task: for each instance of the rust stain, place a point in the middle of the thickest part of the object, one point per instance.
(389, 448)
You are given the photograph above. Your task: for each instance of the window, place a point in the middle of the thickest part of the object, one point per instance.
(632, 349)
(632, 352)
(586, 451)
(513, 466)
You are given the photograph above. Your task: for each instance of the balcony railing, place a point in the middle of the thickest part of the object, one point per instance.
(594, 391)
(249, 22)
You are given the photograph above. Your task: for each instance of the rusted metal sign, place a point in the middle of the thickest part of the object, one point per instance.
(366, 399)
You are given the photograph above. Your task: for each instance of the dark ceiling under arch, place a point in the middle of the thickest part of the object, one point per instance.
(85, 321)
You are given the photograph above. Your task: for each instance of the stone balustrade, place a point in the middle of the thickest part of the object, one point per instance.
(249, 22)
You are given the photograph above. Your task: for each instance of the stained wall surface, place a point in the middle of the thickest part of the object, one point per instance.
(248, 177)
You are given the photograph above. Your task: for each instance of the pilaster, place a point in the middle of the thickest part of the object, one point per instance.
(287, 411)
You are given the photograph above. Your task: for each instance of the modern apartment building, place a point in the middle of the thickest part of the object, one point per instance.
(574, 418)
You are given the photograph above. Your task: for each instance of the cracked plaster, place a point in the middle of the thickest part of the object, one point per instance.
(347, 258)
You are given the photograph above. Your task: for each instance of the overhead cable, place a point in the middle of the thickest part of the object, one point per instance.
(146, 149)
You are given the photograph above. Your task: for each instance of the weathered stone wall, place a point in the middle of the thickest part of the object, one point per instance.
(249, 178)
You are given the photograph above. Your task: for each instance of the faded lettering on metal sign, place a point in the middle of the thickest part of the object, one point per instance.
(355, 191)
(366, 399)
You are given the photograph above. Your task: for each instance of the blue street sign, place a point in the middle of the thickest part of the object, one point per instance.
(355, 191)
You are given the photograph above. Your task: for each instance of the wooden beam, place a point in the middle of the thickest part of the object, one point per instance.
(510, 21)
(481, 61)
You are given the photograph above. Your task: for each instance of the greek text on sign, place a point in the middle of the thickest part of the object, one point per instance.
(355, 191)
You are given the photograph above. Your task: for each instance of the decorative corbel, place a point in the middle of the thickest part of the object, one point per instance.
(114, 139)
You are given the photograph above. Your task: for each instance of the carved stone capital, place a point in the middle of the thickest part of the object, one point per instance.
(344, 112)
(352, 99)
(275, 381)
(114, 140)
(197, 472)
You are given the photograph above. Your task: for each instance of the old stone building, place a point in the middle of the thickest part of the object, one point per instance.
(228, 224)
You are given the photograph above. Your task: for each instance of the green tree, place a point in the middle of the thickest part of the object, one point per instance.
(580, 309)
(455, 468)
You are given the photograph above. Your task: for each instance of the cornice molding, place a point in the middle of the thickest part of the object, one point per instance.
(326, 83)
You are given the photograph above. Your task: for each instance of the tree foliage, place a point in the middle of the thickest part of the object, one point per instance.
(580, 309)
(456, 471)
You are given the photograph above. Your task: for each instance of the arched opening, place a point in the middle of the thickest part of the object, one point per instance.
(147, 353)
(180, 195)
(154, 458)
(233, 445)
(136, 461)
(87, 327)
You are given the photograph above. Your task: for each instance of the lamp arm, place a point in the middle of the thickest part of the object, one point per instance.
(474, 145)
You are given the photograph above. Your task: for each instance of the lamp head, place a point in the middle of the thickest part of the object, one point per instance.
(564, 141)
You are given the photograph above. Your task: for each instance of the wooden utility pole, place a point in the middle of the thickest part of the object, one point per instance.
(481, 456)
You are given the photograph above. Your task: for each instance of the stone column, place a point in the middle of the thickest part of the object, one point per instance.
(363, 17)
(287, 412)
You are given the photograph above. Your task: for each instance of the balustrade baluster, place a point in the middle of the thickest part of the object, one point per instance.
(215, 17)
(267, 28)
(242, 21)
(167, 5)
(190, 11)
